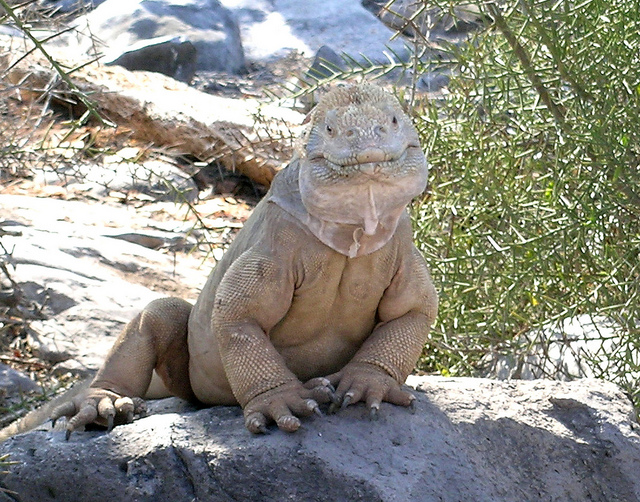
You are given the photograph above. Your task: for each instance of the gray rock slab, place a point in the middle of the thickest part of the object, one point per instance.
(13, 382)
(89, 283)
(469, 440)
(171, 56)
(118, 25)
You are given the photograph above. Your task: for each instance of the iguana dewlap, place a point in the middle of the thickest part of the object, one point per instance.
(322, 287)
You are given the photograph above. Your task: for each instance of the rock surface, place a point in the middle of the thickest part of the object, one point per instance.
(13, 383)
(172, 56)
(273, 28)
(470, 439)
(89, 278)
(576, 347)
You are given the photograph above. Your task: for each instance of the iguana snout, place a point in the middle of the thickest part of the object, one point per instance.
(371, 155)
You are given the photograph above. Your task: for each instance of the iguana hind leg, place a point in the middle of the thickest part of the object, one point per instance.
(156, 339)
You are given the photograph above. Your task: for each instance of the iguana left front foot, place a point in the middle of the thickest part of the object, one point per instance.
(368, 383)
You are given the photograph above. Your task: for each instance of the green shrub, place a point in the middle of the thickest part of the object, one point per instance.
(533, 215)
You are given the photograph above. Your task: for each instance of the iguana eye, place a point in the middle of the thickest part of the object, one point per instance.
(329, 130)
(394, 120)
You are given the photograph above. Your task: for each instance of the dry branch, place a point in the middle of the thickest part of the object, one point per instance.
(244, 135)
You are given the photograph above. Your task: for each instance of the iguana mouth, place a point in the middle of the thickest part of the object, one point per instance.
(365, 160)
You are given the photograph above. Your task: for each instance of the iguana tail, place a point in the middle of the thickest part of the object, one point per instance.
(39, 416)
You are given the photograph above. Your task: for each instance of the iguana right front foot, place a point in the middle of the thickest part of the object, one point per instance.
(99, 406)
(282, 405)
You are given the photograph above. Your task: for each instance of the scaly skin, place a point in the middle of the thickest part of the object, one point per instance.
(322, 297)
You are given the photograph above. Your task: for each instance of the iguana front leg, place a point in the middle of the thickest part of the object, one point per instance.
(254, 295)
(387, 357)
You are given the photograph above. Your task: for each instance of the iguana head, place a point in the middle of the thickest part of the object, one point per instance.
(361, 130)
(359, 166)
(362, 164)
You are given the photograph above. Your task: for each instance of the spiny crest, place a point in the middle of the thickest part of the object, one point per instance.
(361, 116)
(358, 94)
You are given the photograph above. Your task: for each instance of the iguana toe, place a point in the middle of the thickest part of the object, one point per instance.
(321, 390)
(125, 406)
(87, 414)
(256, 423)
(64, 410)
(139, 407)
(288, 423)
(107, 410)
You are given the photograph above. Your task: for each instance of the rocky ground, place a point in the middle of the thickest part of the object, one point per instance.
(470, 439)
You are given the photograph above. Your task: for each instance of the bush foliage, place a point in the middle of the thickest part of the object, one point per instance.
(534, 210)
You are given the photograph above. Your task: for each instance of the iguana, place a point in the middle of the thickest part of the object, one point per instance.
(321, 298)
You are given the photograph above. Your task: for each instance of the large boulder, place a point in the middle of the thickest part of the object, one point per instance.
(272, 29)
(470, 439)
(118, 27)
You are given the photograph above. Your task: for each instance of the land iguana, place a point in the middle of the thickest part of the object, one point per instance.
(321, 298)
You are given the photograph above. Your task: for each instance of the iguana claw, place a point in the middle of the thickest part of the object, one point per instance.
(313, 406)
(346, 401)
(110, 423)
(340, 403)
(256, 424)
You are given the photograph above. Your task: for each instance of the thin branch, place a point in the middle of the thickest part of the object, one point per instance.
(91, 108)
(522, 54)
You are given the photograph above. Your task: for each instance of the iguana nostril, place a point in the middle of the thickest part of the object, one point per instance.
(380, 130)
